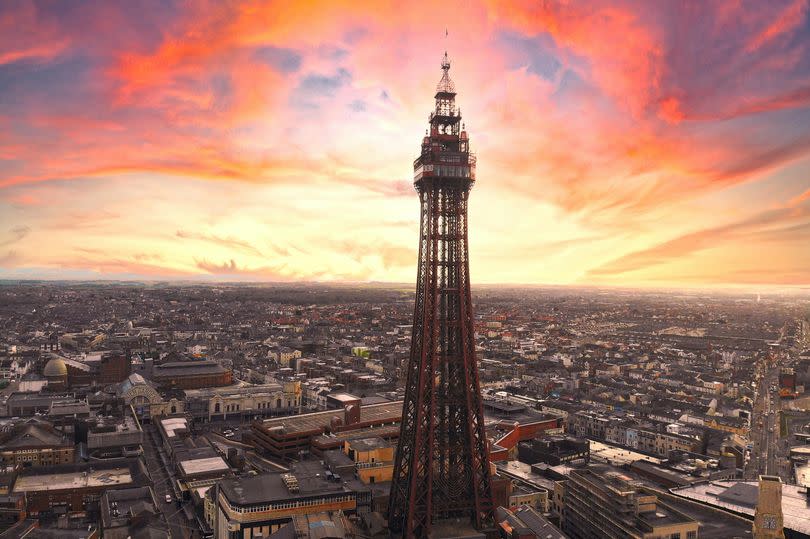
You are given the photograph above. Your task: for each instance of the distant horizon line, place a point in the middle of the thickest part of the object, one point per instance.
(738, 287)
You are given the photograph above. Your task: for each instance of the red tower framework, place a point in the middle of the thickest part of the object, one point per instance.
(442, 466)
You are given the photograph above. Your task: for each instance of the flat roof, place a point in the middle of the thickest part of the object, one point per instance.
(368, 444)
(270, 488)
(112, 477)
(722, 494)
(173, 424)
(343, 397)
(388, 411)
(618, 455)
(390, 431)
(200, 466)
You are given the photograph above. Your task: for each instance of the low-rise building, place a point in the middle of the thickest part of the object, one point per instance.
(554, 450)
(599, 502)
(245, 401)
(249, 506)
(71, 488)
(132, 512)
(194, 374)
(114, 436)
(286, 437)
(373, 458)
(35, 442)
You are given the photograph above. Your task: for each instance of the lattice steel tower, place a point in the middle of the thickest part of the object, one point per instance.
(442, 467)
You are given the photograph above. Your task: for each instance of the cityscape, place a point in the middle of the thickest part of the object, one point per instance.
(211, 326)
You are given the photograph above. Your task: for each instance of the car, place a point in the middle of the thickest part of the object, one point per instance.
(168, 498)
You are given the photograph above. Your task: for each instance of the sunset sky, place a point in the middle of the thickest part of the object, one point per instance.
(623, 143)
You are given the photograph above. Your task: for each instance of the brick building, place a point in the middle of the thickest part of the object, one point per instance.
(191, 374)
(35, 443)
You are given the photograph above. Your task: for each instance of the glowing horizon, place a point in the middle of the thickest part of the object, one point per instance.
(626, 144)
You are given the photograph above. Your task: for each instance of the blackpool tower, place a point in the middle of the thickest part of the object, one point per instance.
(441, 472)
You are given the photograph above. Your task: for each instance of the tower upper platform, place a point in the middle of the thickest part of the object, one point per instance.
(445, 156)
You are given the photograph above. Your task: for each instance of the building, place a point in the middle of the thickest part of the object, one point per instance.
(509, 433)
(599, 503)
(649, 437)
(250, 506)
(132, 512)
(70, 488)
(742, 498)
(20, 404)
(339, 401)
(146, 400)
(194, 458)
(55, 372)
(554, 450)
(114, 436)
(246, 401)
(373, 458)
(525, 523)
(287, 437)
(194, 374)
(35, 443)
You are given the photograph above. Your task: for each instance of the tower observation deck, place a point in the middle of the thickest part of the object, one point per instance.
(441, 471)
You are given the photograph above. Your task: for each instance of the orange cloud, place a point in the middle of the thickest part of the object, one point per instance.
(788, 20)
(787, 223)
(597, 120)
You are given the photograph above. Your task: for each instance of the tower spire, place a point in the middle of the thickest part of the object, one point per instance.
(441, 471)
(446, 85)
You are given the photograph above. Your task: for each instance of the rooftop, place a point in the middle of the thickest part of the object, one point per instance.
(33, 435)
(188, 368)
(368, 444)
(173, 424)
(385, 412)
(270, 488)
(110, 478)
(741, 497)
(202, 466)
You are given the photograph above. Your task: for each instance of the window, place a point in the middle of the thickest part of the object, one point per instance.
(676, 535)
(691, 535)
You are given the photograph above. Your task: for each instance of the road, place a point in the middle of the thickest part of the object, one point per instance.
(769, 452)
(162, 478)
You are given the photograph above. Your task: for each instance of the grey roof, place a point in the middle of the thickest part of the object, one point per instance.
(538, 523)
(188, 368)
(270, 488)
(741, 494)
(367, 444)
(34, 436)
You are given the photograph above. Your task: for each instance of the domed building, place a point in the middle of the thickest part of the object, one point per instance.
(55, 372)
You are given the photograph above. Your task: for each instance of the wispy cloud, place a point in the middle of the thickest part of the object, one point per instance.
(789, 223)
(16, 234)
(224, 241)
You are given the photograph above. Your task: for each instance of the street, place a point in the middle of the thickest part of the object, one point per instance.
(179, 526)
(769, 453)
